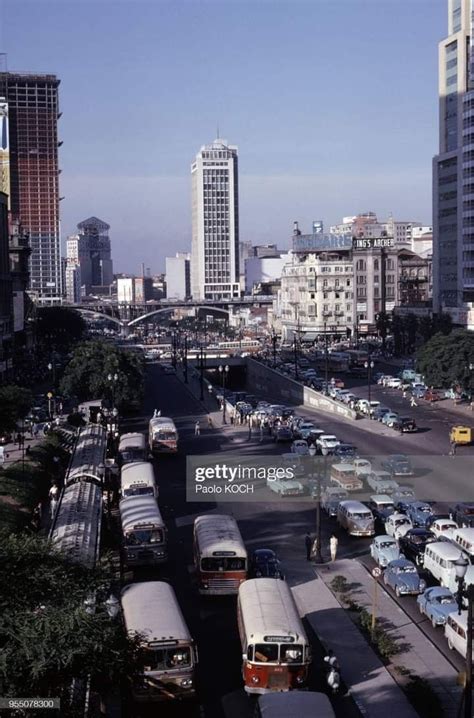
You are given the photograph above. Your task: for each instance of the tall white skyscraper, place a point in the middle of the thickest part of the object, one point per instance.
(215, 222)
(453, 169)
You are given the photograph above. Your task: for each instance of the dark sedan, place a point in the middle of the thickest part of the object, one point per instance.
(413, 544)
(282, 433)
(397, 465)
(264, 563)
(405, 424)
(463, 514)
(345, 451)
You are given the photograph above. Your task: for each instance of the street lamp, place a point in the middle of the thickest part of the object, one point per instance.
(185, 359)
(466, 592)
(223, 371)
(174, 343)
(295, 350)
(369, 365)
(318, 556)
(326, 315)
(112, 379)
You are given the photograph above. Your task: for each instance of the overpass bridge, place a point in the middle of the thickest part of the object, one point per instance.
(128, 315)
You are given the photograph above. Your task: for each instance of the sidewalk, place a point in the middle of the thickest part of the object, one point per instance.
(419, 656)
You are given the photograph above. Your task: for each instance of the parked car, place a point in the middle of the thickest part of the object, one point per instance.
(397, 525)
(384, 549)
(443, 528)
(327, 443)
(300, 447)
(362, 468)
(303, 429)
(402, 495)
(401, 575)
(463, 514)
(314, 435)
(381, 482)
(381, 506)
(390, 418)
(345, 451)
(398, 465)
(405, 424)
(282, 433)
(413, 543)
(380, 412)
(264, 563)
(419, 513)
(436, 604)
(394, 383)
(330, 499)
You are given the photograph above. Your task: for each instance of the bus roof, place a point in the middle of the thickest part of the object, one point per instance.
(159, 422)
(136, 511)
(268, 609)
(217, 534)
(151, 608)
(445, 549)
(89, 455)
(131, 441)
(137, 472)
(354, 506)
(304, 704)
(76, 526)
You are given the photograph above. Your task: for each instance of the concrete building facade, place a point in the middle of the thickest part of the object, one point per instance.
(178, 276)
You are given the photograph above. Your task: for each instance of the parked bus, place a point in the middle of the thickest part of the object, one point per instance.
(138, 479)
(276, 652)
(344, 476)
(163, 435)
(143, 531)
(439, 560)
(220, 556)
(356, 518)
(169, 654)
(132, 447)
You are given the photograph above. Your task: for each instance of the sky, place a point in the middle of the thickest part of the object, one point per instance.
(332, 103)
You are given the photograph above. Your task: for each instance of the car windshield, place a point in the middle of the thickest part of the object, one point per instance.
(388, 544)
(406, 569)
(424, 509)
(362, 515)
(401, 522)
(444, 600)
(385, 506)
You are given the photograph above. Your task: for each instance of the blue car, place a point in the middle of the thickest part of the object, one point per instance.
(384, 549)
(420, 513)
(390, 418)
(436, 604)
(402, 576)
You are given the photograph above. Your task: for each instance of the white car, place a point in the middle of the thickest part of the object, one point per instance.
(394, 383)
(443, 528)
(382, 483)
(327, 443)
(300, 447)
(367, 408)
(397, 525)
(362, 468)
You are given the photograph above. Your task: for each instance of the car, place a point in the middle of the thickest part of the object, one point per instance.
(463, 514)
(385, 379)
(418, 391)
(405, 424)
(381, 482)
(432, 395)
(443, 528)
(337, 383)
(327, 443)
(390, 418)
(380, 412)
(413, 543)
(330, 499)
(394, 383)
(384, 549)
(345, 451)
(398, 465)
(264, 563)
(402, 495)
(314, 435)
(362, 468)
(287, 487)
(397, 525)
(401, 575)
(303, 429)
(5, 438)
(381, 506)
(282, 433)
(366, 407)
(300, 446)
(436, 604)
(419, 513)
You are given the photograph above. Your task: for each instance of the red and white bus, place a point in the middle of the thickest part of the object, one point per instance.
(276, 651)
(220, 556)
(162, 435)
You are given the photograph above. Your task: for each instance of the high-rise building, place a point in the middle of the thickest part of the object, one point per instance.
(215, 222)
(6, 294)
(178, 276)
(33, 114)
(4, 150)
(89, 261)
(453, 168)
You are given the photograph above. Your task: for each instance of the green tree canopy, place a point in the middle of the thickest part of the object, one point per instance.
(444, 360)
(59, 327)
(86, 375)
(15, 402)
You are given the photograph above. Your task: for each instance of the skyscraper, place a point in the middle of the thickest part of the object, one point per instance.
(453, 168)
(89, 262)
(215, 222)
(34, 174)
(4, 150)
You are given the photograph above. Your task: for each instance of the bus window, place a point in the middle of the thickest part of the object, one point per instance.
(223, 564)
(291, 653)
(266, 652)
(144, 536)
(161, 659)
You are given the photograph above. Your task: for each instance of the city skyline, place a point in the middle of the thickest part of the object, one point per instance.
(275, 81)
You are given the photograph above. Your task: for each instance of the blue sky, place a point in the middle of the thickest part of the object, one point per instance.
(332, 103)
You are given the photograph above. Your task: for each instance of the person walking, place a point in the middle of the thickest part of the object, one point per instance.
(413, 402)
(197, 428)
(209, 422)
(18, 440)
(333, 544)
(452, 451)
(308, 544)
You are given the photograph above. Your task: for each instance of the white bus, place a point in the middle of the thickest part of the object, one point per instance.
(132, 447)
(455, 631)
(138, 479)
(162, 435)
(356, 518)
(169, 654)
(143, 531)
(220, 557)
(276, 652)
(439, 560)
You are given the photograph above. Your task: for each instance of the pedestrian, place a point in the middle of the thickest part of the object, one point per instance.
(315, 548)
(261, 433)
(472, 405)
(209, 421)
(413, 402)
(52, 508)
(34, 430)
(404, 394)
(453, 449)
(18, 439)
(232, 417)
(308, 543)
(197, 428)
(53, 492)
(333, 544)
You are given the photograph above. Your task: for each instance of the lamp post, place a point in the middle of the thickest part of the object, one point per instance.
(369, 365)
(274, 343)
(318, 556)
(223, 371)
(466, 592)
(201, 367)
(174, 345)
(295, 350)
(112, 379)
(185, 359)
(326, 354)
(52, 368)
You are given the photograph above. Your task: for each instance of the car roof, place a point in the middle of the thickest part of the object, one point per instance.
(401, 562)
(381, 497)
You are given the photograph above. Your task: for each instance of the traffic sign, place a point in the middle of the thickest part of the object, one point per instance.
(376, 572)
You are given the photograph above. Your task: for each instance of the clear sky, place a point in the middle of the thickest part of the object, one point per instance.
(332, 103)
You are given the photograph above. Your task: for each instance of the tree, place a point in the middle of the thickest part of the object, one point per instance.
(46, 634)
(398, 335)
(445, 360)
(410, 324)
(383, 325)
(15, 402)
(59, 327)
(86, 375)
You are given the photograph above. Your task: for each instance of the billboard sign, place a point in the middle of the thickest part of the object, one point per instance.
(372, 242)
(320, 242)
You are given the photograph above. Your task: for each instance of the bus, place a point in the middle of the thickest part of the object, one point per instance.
(356, 518)
(276, 652)
(220, 557)
(138, 479)
(132, 447)
(357, 357)
(169, 655)
(143, 531)
(237, 344)
(162, 435)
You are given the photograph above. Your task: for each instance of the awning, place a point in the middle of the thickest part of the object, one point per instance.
(309, 336)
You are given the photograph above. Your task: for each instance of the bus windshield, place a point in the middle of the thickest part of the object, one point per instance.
(161, 659)
(141, 536)
(131, 455)
(223, 564)
(273, 653)
(138, 491)
(163, 435)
